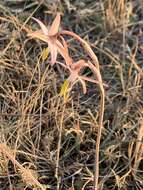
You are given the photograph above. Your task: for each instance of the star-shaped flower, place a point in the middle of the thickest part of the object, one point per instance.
(75, 69)
(50, 36)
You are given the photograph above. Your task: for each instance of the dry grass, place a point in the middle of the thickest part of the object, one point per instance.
(31, 108)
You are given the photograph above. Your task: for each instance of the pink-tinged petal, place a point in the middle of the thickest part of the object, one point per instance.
(93, 81)
(55, 25)
(63, 52)
(89, 79)
(43, 27)
(83, 85)
(73, 77)
(62, 64)
(33, 34)
(65, 45)
(38, 34)
(53, 51)
(79, 65)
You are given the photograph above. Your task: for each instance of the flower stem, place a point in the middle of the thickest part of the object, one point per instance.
(96, 70)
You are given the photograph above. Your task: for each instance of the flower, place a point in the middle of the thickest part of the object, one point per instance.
(57, 44)
(50, 36)
(75, 69)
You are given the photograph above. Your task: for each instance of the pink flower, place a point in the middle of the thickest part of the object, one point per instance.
(75, 70)
(50, 36)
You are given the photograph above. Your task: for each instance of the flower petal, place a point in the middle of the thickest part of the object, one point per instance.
(92, 80)
(64, 52)
(73, 77)
(55, 25)
(65, 45)
(43, 27)
(83, 85)
(54, 52)
(79, 65)
(89, 79)
(38, 34)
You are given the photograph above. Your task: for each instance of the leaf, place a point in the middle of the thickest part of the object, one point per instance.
(45, 53)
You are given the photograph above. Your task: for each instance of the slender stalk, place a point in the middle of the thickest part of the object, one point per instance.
(97, 151)
(96, 70)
